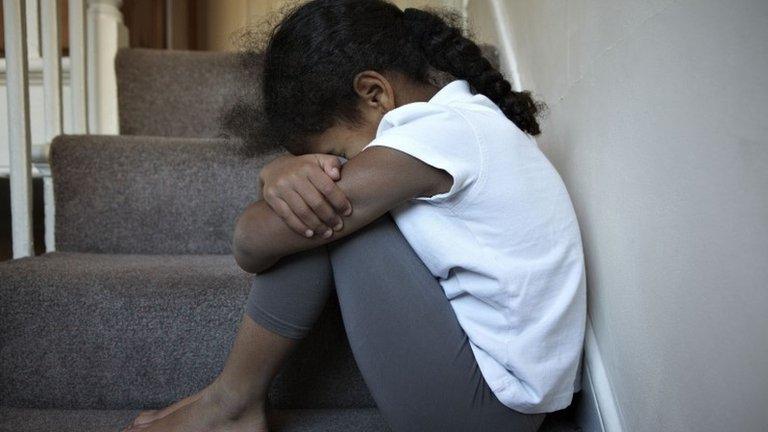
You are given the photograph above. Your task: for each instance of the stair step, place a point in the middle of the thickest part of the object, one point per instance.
(298, 420)
(314, 420)
(98, 331)
(150, 195)
(179, 93)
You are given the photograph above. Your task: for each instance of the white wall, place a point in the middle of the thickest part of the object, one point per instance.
(658, 123)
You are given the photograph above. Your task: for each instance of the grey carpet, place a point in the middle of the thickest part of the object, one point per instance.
(314, 420)
(107, 331)
(305, 420)
(179, 93)
(150, 194)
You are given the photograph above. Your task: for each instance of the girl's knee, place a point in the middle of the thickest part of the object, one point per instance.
(378, 236)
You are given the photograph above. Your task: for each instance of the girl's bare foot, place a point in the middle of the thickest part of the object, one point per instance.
(234, 401)
(148, 416)
(211, 411)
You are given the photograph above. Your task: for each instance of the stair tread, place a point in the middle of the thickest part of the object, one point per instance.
(178, 93)
(150, 195)
(84, 330)
(315, 420)
(297, 420)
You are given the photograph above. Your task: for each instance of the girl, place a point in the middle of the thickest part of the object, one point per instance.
(465, 309)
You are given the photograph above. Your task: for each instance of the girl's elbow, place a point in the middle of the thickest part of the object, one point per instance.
(242, 245)
(243, 258)
(250, 265)
(248, 259)
(246, 249)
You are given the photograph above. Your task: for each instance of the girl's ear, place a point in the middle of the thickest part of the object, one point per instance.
(375, 91)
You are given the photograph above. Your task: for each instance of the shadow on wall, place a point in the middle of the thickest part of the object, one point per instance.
(6, 246)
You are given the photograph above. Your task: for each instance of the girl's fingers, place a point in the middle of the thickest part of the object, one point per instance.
(332, 192)
(316, 201)
(284, 211)
(330, 164)
(305, 214)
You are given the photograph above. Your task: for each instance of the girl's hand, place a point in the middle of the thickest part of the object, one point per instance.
(302, 190)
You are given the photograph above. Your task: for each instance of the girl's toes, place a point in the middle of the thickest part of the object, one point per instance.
(145, 417)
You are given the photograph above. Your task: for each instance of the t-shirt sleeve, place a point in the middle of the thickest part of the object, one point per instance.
(438, 136)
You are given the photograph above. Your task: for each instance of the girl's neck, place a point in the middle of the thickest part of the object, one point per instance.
(409, 91)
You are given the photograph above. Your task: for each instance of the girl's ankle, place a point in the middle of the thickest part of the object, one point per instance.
(233, 403)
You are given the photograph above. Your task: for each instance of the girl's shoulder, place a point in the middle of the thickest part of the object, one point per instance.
(438, 135)
(454, 106)
(426, 121)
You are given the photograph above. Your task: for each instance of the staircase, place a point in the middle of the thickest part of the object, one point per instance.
(139, 304)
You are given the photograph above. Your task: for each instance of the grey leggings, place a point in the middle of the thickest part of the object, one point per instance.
(412, 353)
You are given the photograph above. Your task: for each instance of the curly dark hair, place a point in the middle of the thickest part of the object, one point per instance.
(313, 55)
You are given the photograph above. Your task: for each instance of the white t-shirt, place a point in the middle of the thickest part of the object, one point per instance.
(503, 242)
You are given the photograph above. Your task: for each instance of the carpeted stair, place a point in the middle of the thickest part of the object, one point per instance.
(140, 304)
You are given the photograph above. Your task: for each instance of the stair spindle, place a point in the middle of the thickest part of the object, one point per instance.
(77, 64)
(19, 138)
(49, 25)
(51, 34)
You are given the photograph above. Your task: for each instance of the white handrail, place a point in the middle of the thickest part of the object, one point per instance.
(19, 138)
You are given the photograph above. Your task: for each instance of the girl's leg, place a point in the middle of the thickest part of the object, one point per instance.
(414, 356)
(283, 305)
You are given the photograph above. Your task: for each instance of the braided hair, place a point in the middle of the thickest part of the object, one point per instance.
(313, 55)
(447, 49)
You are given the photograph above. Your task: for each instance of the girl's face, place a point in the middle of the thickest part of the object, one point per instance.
(344, 139)
(378, 94)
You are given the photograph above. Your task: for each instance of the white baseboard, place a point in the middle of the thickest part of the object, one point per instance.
(586, 412)
(597, 390)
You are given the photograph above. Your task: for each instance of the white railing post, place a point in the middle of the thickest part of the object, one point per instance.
(106, 33)
(33, 28)
(50, 35)
(19, 138)
(77, 66)
(49, 24)
(50, 213)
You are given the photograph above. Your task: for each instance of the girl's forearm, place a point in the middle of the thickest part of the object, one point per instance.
(375, 181)
(261, 237)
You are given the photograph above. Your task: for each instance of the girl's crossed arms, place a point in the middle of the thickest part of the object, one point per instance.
(306, 196)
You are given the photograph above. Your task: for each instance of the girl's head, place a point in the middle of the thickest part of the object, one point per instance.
(333, 68)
